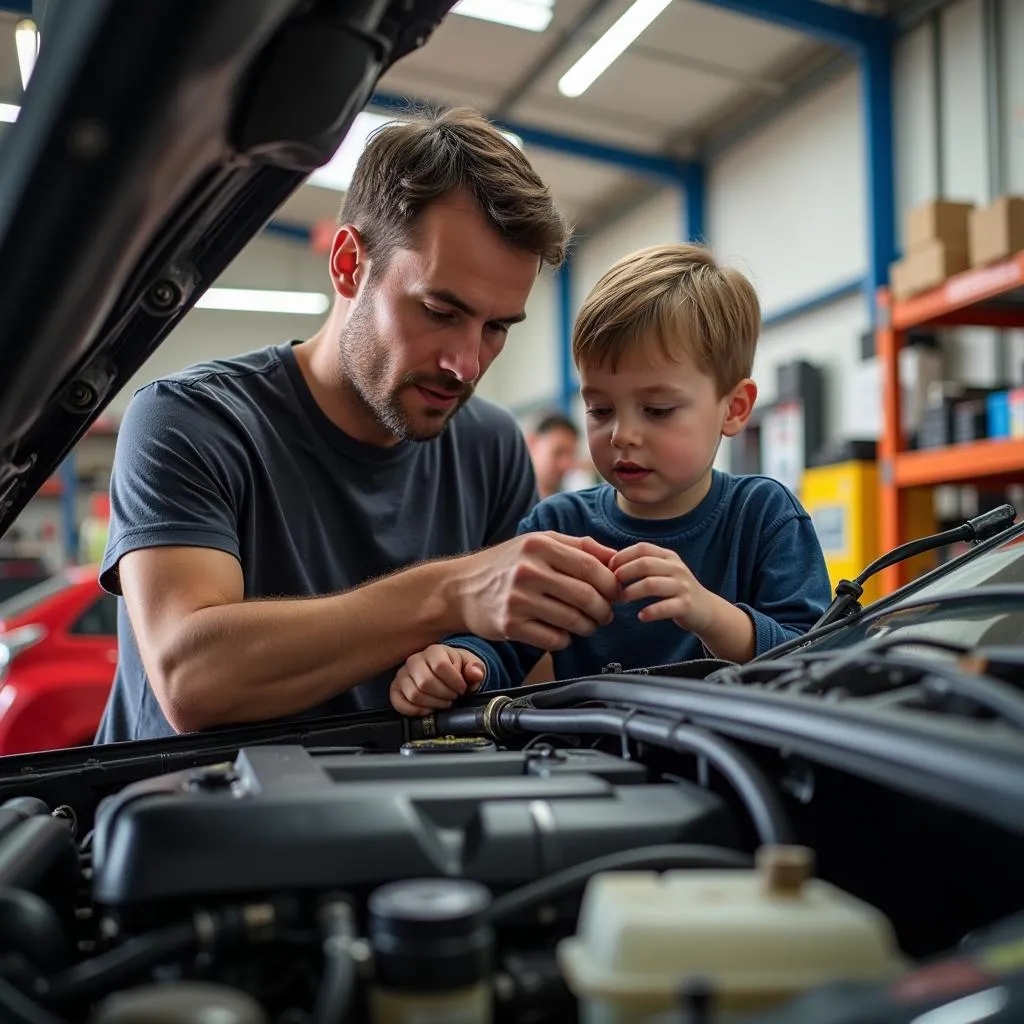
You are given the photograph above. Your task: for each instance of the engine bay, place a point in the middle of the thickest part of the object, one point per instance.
(696, 846)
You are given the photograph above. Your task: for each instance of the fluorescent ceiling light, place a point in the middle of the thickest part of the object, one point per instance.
(611, 45)
(337, 172)
(9, 112)
(26, 41)
(532, 15)
(251, 300)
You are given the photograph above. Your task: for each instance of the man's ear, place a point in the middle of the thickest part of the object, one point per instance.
(740, 406)
(348, 261)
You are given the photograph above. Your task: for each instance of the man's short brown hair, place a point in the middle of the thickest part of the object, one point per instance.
(683, 299)
(409, 164)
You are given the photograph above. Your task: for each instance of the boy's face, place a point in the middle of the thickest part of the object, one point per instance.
(654, 425)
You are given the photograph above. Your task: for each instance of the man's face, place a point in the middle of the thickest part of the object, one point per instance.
(422, 331)
(554, 455)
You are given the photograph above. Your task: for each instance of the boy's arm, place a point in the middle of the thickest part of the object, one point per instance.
(792, 589)
(507, 663)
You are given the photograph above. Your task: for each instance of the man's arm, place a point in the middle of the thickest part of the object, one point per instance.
(214, 659)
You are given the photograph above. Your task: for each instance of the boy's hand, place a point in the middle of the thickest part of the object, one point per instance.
(434, 678)
(645, 570)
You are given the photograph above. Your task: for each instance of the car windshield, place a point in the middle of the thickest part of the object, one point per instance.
(986, 621)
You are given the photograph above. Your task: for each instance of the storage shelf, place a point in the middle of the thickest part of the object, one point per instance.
(986, 296)
(959, 463)
(990, 296)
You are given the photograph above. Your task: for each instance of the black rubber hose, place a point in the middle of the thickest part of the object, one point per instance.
(650, 858)
(338, 982)
(758, 795)
(17, 1008)
(30, 926)
(20, 808)
(89, 981)
(39, 850)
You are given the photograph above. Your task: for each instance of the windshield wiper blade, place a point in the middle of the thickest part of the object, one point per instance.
(849, 592)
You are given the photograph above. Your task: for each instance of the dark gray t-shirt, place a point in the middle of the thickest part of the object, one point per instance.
(236, 455)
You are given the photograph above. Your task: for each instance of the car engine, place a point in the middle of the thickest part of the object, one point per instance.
(624, 848)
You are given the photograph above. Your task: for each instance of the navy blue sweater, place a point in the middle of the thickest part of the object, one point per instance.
(749, 541)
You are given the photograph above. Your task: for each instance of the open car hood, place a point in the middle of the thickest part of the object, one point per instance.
(155, 140)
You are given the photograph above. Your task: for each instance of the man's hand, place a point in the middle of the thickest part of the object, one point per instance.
(645, 570)
(431, 680)
(540, 589)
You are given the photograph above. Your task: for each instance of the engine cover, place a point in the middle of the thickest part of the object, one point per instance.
(288, 818)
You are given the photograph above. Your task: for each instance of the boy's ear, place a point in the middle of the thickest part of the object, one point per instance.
(348, 261)
(740, 405)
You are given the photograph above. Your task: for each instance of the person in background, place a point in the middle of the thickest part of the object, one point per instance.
(553, 445)
(708, 563)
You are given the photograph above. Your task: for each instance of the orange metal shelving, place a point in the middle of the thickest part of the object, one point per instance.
(986, 297)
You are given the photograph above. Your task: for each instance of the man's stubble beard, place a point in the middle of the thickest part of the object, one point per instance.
(363, 372)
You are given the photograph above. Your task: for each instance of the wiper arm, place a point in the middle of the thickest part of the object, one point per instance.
(849, 592)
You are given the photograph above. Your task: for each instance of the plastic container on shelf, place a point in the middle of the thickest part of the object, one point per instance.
(749, 939)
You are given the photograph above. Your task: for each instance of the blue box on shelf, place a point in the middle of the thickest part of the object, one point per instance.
(998, 414)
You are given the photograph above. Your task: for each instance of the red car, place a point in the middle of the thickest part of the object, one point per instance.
(58, 653)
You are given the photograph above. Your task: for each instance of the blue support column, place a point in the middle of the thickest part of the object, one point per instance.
(568, 385)
(876, 80)
(692, 178)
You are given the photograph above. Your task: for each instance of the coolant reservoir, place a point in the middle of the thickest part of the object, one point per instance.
(750, 938)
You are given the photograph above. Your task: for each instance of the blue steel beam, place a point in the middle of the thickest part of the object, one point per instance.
(835, 25)
(775, 318)
(648, 164)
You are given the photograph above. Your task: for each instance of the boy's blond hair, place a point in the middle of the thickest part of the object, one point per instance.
(680, 296)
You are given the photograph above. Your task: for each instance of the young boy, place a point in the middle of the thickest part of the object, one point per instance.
(708, 563)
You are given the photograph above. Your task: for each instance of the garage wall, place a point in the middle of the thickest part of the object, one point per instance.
(786, 204)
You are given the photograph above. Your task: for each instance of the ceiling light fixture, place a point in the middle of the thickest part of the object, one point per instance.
(253, 300)
(531, 15)
(579, 78)
(9, 112)
(26, 41)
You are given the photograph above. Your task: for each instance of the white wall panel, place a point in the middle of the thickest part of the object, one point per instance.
(914, 121)
(789, 202)
(1012, 17)
(964, 131)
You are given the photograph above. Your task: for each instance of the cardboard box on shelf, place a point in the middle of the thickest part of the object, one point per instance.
(926, 267)
(996, 231)
(938, 220)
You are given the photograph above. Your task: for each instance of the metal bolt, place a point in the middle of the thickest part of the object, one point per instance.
(164, 295)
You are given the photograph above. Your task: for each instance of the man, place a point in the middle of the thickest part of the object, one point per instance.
(288, 526)
(553, 446)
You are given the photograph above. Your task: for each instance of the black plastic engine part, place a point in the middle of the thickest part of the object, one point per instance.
(430, 934)
(292, 820)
